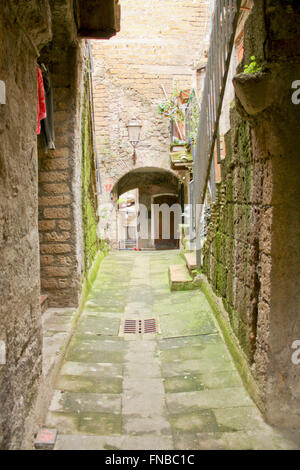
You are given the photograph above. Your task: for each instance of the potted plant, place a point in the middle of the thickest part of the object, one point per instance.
(254, 87)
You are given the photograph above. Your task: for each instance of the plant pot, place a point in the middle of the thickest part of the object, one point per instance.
(254, 91)
(185, 95)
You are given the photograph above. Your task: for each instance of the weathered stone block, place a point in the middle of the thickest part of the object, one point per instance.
(52, 176)
(55, 271)
(57, 237)
(47, 225)
(54, 200)
(49, 284)
(57, 213)
(55, 188)
(64, 224)
(47, 260)
(56, 164)
(65, 260)
(55, 248)
(65, 283)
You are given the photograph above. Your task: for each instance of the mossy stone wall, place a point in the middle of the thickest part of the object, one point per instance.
(233, 253)
(88, 177)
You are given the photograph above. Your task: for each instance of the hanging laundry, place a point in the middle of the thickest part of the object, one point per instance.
(41, 105)
(47, 125)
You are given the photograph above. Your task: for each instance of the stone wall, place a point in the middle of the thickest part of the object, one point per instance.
(40, 194)
(88, 177)
(250, 254)
(236, 253)
(160, 43)
(20, 326)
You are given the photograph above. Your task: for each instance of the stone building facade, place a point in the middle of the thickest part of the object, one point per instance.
(129, 78)
(38, 187)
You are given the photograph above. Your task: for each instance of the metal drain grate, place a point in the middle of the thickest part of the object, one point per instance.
(148, 325)
(130, 326)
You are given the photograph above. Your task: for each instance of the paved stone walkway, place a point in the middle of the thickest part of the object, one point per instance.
(174, 390)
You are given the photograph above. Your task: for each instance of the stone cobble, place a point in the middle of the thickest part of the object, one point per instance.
(177, 389)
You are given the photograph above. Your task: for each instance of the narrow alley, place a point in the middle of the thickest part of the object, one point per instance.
(149, 225)
(174, 389)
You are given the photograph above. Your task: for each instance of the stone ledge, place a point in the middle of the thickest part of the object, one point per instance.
(190, 260)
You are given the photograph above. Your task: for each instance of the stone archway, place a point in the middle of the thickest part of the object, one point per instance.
(150, 183)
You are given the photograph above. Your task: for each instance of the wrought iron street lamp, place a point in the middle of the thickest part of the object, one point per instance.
(134, 131)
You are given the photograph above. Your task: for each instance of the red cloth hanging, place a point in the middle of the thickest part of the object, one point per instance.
(41, 104)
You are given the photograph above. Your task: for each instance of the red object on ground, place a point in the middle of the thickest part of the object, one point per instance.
(41, 104)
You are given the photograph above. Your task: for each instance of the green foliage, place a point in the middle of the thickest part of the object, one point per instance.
(194, 122)
(89, 203)
(253, 67)
(196, 272)
(170, 107)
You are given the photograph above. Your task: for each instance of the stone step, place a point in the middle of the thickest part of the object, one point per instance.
(179, 277)
(190, 260)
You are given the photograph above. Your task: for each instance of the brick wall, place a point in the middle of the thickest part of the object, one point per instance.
(60, 225)
(160, 43)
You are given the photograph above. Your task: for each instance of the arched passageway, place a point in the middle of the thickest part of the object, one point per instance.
(157, 210)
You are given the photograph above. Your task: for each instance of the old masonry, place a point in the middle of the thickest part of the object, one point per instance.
(123, 326)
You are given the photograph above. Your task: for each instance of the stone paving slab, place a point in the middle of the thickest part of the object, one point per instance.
(186, 324)
(83, 442)
(144, 385)
(57, 327)
(86, 355)
(98, 343)
(194, 422)
(94, 384)
(239, 418)
(148, 441)
(203, 352)
(143, 404)
(105, 326)
(184, 341)
(194, 366)
(208, 399)
(139, 371)
(91, 369)
(85, 402)
(156, 424)
(208, 380)
(178, 389)
(105, 424)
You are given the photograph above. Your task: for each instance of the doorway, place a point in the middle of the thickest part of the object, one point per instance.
(163, 241)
